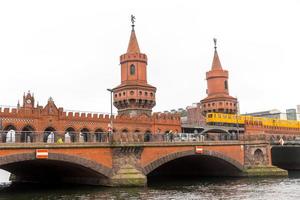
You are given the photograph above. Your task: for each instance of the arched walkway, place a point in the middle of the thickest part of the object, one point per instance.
(9, 133)
(84, 135)
(147, 136)
(220, 158)
(49, 135)
(100, 135)
(27, 134)
(70, 135)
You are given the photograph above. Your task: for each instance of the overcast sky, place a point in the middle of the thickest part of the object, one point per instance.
(70, 50)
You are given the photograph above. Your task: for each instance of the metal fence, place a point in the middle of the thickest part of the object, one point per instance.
(107, 137)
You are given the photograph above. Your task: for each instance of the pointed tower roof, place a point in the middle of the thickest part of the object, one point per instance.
(133, 46)
(216, 64)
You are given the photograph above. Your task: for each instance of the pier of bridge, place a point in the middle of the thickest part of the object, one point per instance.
(133, 162)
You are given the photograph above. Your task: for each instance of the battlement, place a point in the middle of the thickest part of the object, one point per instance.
(133, 57)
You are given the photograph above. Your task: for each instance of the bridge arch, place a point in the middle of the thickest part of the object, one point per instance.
(219, 130)
(19, 164)
(178, 155)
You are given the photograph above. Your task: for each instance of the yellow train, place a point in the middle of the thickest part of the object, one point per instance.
(221, 119)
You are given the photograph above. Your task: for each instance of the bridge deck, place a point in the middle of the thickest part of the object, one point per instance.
(144, 144)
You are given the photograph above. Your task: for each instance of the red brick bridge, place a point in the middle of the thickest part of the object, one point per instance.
(133, 163)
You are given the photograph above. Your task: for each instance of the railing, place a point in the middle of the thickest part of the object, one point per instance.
(105, 137)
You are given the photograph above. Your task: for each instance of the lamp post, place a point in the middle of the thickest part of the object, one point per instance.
(111, 115)
(1, 129)
(237, 115)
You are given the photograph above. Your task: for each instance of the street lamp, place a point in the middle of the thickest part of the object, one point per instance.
(1, 129)
(237, 115)
(111, 113)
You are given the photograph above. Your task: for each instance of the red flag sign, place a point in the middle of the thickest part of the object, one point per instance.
(199, 149)
(41, 153)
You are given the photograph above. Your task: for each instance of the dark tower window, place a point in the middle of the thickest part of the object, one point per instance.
(226, 85)
(132, 69)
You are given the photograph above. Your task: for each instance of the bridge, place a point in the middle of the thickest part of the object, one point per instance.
(130, 159)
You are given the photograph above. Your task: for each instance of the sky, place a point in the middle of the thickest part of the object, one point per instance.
(70, 50)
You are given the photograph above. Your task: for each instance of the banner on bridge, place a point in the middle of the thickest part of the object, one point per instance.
(199, 149)
(41, 154)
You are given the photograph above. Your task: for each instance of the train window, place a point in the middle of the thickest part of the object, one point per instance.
(209, 115)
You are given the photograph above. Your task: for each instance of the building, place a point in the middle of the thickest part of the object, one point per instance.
(274, 114)
(218, 98)
(194, 116)
(134, 98)
(291, 114)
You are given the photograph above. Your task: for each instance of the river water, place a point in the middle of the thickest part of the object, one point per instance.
(203, 188)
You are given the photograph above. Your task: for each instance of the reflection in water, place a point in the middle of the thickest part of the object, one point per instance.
(206, 188)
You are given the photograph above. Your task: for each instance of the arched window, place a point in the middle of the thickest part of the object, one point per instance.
(132, 69)
(226, 85)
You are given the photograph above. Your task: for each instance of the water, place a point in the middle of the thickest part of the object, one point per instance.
(212, 188)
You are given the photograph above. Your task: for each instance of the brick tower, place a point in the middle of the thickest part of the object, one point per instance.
(134, 96)
(218, 98)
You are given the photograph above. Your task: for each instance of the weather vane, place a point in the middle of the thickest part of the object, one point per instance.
(215, 41)
(132, 21)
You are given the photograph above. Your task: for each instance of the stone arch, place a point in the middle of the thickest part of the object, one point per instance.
(258, 156)
(85, 134)
(100, 135)
(222, 134)
(147, 136)
(27, 133)
(215, 129)
(125, 130)
(7, 128)
(89, 164)
(159, 162)
(10, 127)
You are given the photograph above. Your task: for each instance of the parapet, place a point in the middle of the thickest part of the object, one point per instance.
(133, 57)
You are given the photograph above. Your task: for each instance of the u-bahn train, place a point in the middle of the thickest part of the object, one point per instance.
(233, 120)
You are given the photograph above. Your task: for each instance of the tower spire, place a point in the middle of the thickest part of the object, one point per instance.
(133, 46)
(134, 96)
(216, 64)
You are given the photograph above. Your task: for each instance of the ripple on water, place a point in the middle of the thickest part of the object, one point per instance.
(236, 189)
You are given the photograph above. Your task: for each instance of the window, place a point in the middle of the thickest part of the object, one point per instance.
(131, 92)
(132, 69)
(226, 85)
(146, 93)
